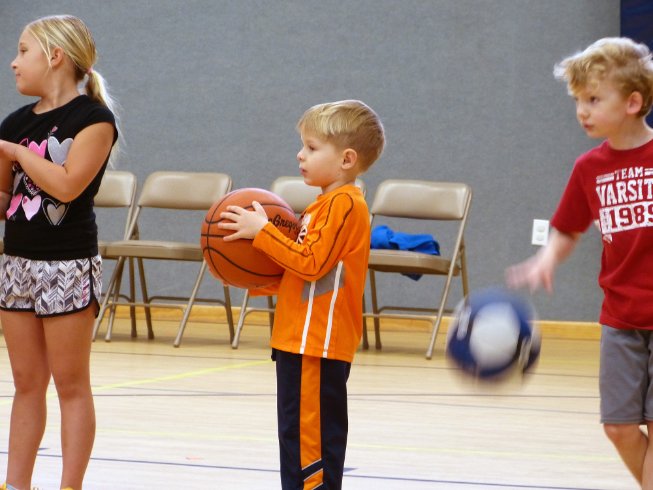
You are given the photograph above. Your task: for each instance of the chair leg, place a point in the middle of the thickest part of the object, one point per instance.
(375, 310)
(105, 300)
(434, 333)
(366, 344)
(116, 295)
(241, 321)
(132, 299)
(271, 307)
(146, 299)
(438, 320)
(228, 311)
(463, 272)
(189, 305)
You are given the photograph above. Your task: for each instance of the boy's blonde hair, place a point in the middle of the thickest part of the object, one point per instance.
(73, 37)
(619, 59)
(347, 124)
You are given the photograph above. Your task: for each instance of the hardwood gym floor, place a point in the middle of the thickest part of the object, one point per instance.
(203, 416)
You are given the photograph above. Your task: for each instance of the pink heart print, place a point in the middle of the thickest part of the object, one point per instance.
(38, 148)
(31, 206)
(13, 205)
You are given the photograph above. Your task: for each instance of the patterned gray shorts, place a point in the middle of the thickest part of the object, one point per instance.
(49, 287)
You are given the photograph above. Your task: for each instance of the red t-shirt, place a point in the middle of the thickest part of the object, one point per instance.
(614, 188)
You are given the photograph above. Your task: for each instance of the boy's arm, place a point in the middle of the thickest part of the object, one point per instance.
(539, 269)
(332, 233)
(270, 290)
(321, 248)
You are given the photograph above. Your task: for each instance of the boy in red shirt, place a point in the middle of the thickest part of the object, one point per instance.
(612, 186)
(318, 319)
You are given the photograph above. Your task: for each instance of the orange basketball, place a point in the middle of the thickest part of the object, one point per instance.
(238, 263)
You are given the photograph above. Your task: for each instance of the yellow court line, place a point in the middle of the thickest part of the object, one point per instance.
(136, 382)
(190, 374)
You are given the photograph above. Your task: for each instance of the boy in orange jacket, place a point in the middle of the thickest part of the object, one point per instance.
(318, 318)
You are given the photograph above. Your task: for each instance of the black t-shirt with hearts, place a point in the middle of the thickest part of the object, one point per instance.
(38, 226)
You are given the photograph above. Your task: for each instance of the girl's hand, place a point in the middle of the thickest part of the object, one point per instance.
(8, 151)
(246, 224)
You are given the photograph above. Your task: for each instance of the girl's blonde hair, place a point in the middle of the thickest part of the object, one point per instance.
(75, 39)
(619, 59)
(347, 124)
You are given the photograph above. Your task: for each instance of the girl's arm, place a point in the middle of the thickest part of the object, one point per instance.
(5, 186)
(539, 269)
(87, 154)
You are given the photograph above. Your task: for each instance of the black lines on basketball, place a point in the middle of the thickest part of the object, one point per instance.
(238, 263)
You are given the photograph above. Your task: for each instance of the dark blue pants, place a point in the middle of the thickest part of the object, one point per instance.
(312, 420)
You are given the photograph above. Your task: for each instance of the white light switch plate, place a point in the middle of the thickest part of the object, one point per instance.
(540, 234)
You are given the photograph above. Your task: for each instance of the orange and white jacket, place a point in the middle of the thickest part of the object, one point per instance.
(320, 298)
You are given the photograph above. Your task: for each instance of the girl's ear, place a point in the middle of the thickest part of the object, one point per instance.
(56, 56)
(634, 103)
(350, 157)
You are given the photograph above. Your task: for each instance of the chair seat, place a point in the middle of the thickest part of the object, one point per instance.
(102, 247)
(405, 261)
(154, 249)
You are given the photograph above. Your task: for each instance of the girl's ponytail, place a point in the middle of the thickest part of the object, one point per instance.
(97, 90)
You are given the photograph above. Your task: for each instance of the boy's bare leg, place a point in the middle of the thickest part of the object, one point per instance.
(633, 447)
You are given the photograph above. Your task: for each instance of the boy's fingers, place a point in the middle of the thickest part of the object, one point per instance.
(228, 215)
(257, 207)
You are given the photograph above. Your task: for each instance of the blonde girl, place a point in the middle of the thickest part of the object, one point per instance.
(53, 154)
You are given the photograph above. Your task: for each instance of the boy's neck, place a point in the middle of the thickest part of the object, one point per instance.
(337, 184)
(635, 135)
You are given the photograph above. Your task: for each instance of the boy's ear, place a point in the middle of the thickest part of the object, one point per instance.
(634, 103)
(350, 157)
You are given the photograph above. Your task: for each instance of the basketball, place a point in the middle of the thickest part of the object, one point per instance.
(492, 335)
(238, 263)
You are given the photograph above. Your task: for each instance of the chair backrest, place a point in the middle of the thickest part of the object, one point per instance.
(117, 190)
(421, 199)
(297, 193)
(183, 190)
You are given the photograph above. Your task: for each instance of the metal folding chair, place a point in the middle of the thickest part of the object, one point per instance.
(174, 192)
(425, 201)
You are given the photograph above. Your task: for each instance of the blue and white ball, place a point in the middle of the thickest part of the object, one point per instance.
(493, 336)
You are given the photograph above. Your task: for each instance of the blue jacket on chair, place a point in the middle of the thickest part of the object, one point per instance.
(385, 238)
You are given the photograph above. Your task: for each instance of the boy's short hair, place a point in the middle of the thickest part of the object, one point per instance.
(347, 124)
(619, 59)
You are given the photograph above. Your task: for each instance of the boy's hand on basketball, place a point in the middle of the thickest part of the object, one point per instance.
(244, 223)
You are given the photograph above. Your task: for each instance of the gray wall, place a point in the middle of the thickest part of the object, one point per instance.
(464, 88)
